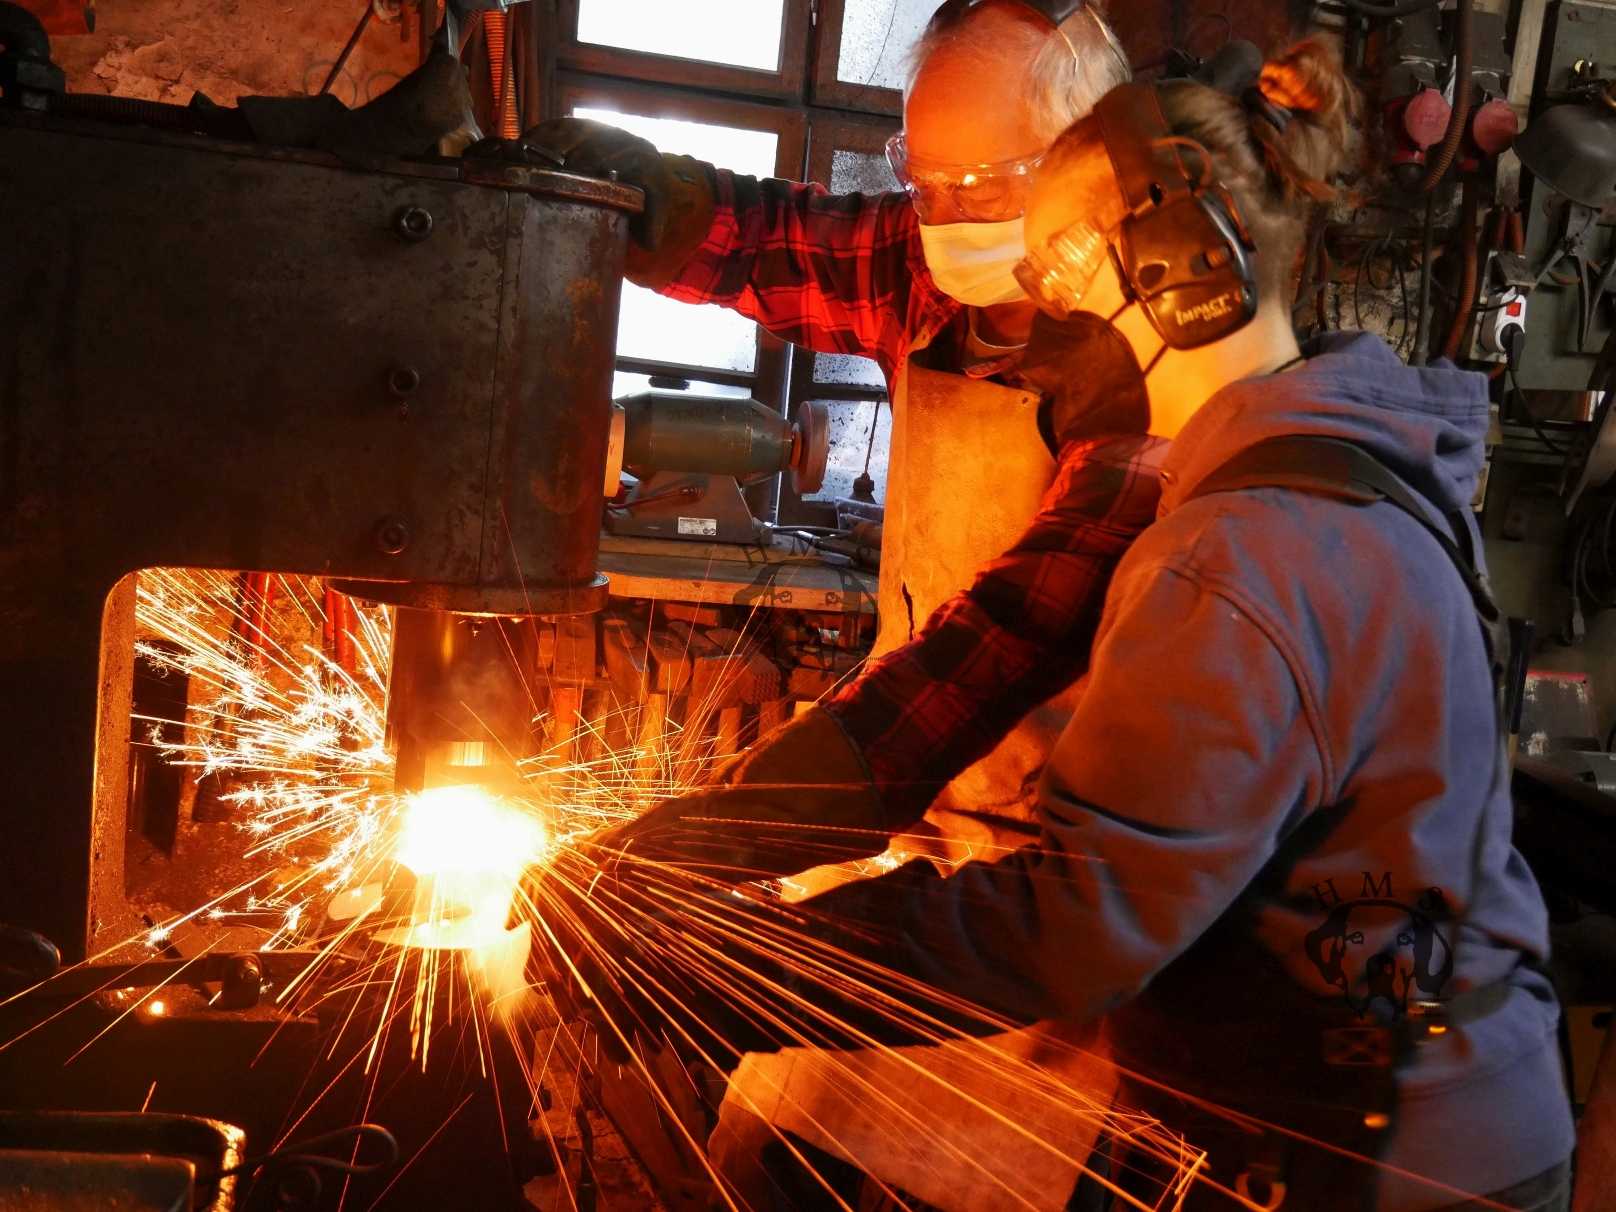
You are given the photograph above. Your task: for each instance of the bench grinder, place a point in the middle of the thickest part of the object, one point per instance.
(693, 456)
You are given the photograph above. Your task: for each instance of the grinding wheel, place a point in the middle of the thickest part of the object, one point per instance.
(810, 447)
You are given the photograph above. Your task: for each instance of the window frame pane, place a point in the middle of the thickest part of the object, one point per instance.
(802, 505)
(786, 84)
(770, 377)
(831, 131)
(827, 90)
(790, 126)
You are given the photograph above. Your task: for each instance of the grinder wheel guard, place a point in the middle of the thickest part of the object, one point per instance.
(810, 448)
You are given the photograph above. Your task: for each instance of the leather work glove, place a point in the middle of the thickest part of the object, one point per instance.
(1089, 377)
(801, 799)
(680, 191)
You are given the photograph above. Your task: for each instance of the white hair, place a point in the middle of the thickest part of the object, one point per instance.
(1066, 77)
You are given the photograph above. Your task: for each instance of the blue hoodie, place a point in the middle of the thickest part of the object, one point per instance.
(1266, 654)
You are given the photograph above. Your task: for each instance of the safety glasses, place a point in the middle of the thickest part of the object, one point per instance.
(975, 193)
(1053, 11)
(1058, 273)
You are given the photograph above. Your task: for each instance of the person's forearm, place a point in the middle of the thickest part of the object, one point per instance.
(1021, 634)
(1027, 937)
(834, 274)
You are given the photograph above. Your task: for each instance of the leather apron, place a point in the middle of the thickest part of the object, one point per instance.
(967, 473)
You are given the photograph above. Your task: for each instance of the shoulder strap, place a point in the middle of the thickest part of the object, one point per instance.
(1328, 467)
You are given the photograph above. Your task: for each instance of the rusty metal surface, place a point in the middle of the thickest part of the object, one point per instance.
(422, 595)
(34, 1180)
(550, 183)
(186, 1143)
(457, 680)
(541, 181)
(226, 357)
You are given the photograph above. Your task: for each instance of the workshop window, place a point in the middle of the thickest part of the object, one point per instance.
(801, 89)
(860, 440)
(718, 350)
(844, 368)
(864, 51)
(741, 33)
(728, 46)
(664, 330)
(849, 157)
(846, 154)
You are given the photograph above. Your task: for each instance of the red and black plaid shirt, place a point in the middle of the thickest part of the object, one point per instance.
(1017, 637)
(846, 274)
(833, 273)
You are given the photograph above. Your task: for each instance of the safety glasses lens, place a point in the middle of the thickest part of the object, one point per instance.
(1059, 273)
(1034, 280)
(898, 161)
(981, 193)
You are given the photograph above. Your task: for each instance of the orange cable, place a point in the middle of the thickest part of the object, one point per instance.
(494, 37)
(495, 26)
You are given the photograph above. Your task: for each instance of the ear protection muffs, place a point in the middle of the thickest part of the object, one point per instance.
(1183, 253)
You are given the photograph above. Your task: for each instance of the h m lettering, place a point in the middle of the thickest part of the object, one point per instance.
(1319, 890)
(1372, 890)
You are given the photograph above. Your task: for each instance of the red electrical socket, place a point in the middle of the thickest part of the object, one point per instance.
(1492, 128)
(1416, 124)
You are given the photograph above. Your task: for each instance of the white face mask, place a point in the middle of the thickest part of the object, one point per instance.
(975, 262)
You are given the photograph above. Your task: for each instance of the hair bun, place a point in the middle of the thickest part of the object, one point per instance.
(1306, 83)
(1309, 80)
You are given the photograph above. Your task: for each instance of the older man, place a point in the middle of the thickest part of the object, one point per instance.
(922, 282)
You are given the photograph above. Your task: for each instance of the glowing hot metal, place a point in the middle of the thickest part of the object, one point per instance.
(467, 850)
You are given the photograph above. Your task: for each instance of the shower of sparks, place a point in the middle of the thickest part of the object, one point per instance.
(299, 742)
(298, 738)
(408, 901)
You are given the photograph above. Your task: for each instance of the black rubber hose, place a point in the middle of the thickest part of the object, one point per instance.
(1465, 305)
(1465, 40)
(22, 33)
(1390, 10)
(1420, 354)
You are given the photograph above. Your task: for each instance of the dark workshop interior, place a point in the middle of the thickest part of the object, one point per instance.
(430, 462)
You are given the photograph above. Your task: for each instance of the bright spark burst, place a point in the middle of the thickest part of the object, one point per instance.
(298, 740)
(467, 850)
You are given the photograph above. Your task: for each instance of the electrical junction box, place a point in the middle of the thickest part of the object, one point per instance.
(1505, 311)
(1572, 33)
